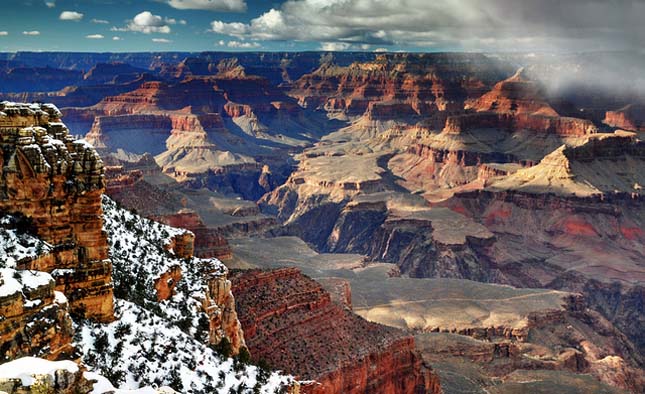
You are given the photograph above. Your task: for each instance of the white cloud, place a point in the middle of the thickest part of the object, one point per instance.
(4, 33)
(100, 21)
(70, 16)
(242, 45)
(95, 36)
(450, 24)
(380, 50)
(182, 22)
(209, 5)
(50, 4)
(31, 33)
(231, 29)
(116, 38)
(334, 46)
(161, 40)
(146, 22)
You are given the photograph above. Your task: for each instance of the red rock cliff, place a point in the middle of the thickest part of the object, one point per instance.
(291, 322)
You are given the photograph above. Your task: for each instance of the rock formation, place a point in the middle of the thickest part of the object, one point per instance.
(57, 182)
(35, 317)
(630, 117)
(35, 375)
(397, 86)
(517, 94)
(288, 317)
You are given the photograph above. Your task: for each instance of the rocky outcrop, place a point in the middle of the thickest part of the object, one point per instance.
(57, 182)
(209, 242)
(160, 266)
(35, 319)
(220, 306)
(517, 94)
(606, 164)
(512, 122)
(34, 375)
(630, 117)
(290, 322)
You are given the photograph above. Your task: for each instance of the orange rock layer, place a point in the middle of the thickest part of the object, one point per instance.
(34, 322)
(57, 182)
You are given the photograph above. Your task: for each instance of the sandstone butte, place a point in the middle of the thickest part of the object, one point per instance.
(291, 322)
(57, 182)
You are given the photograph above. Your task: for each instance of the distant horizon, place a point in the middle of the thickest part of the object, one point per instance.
(343, 51)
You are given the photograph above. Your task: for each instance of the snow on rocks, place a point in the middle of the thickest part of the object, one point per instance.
(161, 343)
(142, 349)
(12, 281)
(27, 368)
(17, 246)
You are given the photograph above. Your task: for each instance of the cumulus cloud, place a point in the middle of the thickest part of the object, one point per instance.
(146, 22)
(70, 16)
(50, 4)
(237, 29)
(454, 25)
(31, 33)
(4, 33)
(161, 40)
(100, 21)
(95, 36)
(116, 38)
(209, 5)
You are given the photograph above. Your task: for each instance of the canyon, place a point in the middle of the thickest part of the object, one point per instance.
(440, 222)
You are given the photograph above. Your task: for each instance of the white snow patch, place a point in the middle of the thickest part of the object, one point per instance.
(27, 367)
(12, 281)
(59, 298)
(103, 386)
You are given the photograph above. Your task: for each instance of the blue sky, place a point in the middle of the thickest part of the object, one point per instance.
(19, 16)
(291, 25)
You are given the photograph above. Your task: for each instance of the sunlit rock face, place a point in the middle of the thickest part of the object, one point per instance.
(630, 117)
(398, 86)
(56, 183)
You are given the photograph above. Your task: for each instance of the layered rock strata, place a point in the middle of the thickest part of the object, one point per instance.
(35, 319)
(57, 182)
(287, 317)
(398, 86)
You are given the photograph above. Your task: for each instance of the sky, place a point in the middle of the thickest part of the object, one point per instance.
(330, 25)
